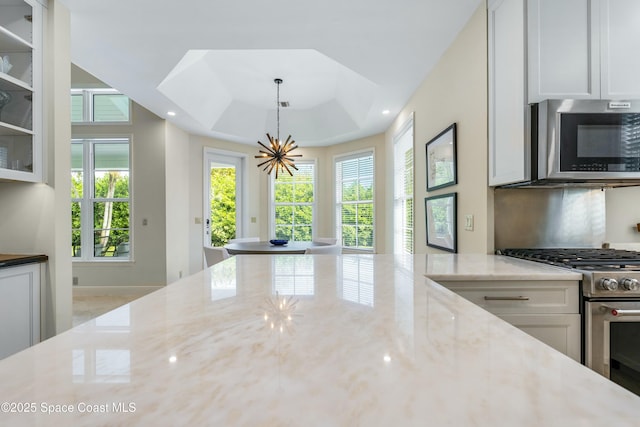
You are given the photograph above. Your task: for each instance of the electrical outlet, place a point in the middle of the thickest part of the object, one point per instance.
(75, 280)
(468, 222)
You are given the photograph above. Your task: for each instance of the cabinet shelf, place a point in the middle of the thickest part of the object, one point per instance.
(7, 129)
(9, 42)
(8, 82)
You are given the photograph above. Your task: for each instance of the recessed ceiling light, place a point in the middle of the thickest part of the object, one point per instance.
(171, 113)
(385, 112)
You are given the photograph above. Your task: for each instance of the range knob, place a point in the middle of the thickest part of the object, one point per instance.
(630, 284)
(608, 284)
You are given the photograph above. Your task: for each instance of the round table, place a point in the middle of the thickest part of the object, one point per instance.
(266, 248)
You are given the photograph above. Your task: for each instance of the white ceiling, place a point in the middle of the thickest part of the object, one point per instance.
(214, 62)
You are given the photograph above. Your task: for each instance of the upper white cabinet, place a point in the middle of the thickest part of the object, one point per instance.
(508, 149)
(620, 49)
(563, 46)
(21, 90)
(583, 49)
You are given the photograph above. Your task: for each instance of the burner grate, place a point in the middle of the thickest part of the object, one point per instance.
(605, 259)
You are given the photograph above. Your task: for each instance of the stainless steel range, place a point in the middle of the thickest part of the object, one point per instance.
(611, 307)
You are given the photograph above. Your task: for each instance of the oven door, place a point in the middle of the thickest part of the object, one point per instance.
(612, 341)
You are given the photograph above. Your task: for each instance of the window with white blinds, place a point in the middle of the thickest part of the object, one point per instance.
(403, 190)
(354, 200)
(293, 203)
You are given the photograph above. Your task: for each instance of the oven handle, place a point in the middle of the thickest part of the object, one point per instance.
(617, 312)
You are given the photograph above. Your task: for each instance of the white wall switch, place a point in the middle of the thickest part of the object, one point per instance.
(468, 222)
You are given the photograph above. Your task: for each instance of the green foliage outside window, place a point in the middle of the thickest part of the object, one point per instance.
(294, 197)
(110, 216)
(223, 205)
(355, 202)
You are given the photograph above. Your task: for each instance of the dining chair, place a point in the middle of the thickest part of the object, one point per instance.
(244, 239)
(329, 249)
(214, 255)
(327, 240)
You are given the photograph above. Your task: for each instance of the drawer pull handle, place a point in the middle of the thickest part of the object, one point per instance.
(520, 298)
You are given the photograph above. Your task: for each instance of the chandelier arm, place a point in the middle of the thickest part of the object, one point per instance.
(287, 168)
(265, 162)
(292, 148)
(266, 148)
(271, 166)
(290, 163)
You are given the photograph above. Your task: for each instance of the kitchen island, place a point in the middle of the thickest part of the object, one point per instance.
(311, 341)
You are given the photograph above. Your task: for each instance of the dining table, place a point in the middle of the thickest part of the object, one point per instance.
(267, 248)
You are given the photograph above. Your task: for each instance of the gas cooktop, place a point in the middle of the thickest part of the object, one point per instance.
(581, 258)
(606, 272)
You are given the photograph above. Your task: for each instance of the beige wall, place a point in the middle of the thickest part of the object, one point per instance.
(623, 213)
(455, 91)
(177, 202)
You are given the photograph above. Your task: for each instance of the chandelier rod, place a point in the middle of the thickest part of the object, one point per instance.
(278, 82)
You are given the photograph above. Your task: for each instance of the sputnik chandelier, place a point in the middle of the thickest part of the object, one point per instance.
(277, 154)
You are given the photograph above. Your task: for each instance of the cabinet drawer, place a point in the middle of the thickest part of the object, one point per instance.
(520, 297)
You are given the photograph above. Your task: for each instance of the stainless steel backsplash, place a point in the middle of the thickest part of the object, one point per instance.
(549, 218)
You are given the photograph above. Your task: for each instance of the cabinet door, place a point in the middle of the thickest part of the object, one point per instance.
(21, 114)
(620, 44)
(563, 49)
(560, 331)
(19, 308)
(508, 145)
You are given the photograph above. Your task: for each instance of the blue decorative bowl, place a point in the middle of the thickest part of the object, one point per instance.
(278, 242)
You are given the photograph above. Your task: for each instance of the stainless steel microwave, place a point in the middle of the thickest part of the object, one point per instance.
(588, 141)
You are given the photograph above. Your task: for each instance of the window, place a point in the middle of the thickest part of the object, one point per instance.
(354, 200)
(293, 207)
(403, 190)
(100, 199)
(99, 106)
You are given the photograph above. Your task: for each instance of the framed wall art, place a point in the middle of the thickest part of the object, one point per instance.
(441, 220)
(442, 170)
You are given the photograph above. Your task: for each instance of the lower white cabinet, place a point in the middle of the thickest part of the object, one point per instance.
(546, 310)
(19, 308)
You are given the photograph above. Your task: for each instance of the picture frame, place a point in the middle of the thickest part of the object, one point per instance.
(441, 213)
(441, 151)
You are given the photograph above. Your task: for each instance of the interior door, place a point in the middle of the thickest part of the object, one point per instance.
(223, 195)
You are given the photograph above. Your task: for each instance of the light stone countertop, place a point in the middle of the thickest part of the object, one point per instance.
(370, 342)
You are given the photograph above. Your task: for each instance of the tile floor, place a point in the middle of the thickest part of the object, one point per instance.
(87, 307)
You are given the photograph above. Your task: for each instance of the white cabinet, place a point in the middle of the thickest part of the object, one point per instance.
(508, 143)
(546, 310)
(19, 308)
(583, 49)
(21, 92)
(619, 49)
(563, 49)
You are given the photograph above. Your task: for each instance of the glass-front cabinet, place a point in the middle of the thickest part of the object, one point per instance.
(21, 90)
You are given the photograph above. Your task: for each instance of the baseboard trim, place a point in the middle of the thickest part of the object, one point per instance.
(113, 290)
